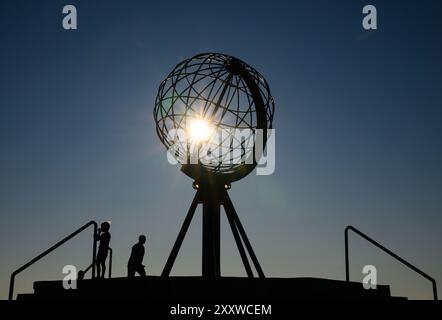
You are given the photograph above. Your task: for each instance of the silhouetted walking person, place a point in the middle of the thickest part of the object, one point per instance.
(104, 237)
(135, 264)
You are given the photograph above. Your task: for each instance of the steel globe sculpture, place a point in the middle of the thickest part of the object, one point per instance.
(200, 107)
(205, 96)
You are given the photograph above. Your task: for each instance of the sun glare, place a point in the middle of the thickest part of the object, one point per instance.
(199, 130)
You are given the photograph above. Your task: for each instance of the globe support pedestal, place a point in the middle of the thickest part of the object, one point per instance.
(212, 197)
(211, 234)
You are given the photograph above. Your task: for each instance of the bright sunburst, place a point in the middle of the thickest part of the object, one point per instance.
(199, 130)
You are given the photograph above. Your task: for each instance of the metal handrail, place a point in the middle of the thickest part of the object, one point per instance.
(55, 246)
(375, 243)
(110, 266)
(84, 271)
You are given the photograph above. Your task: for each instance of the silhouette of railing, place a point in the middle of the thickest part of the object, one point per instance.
(109, 269)
(55, 246)
(375, 243)
(110, 263)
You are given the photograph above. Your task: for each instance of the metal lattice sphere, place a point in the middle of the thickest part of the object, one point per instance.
(208, 108)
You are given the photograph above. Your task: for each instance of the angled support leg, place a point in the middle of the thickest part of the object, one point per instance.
(229, 207)
(239, 243)
(180, 238)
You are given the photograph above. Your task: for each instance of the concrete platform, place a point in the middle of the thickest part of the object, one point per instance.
(197, 289)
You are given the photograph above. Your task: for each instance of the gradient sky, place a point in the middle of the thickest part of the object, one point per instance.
(358, 134)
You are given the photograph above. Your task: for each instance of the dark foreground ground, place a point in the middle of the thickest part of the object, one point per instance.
(197, 289)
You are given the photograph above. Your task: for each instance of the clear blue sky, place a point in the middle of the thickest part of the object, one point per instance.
(358, 119)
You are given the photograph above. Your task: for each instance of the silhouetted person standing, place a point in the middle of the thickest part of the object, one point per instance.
(104, 237)
(135, 264)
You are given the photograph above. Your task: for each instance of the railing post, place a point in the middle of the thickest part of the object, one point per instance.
(11, 287)
(347, 267)
(94, 250)
(434, 289)
(110, 263)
